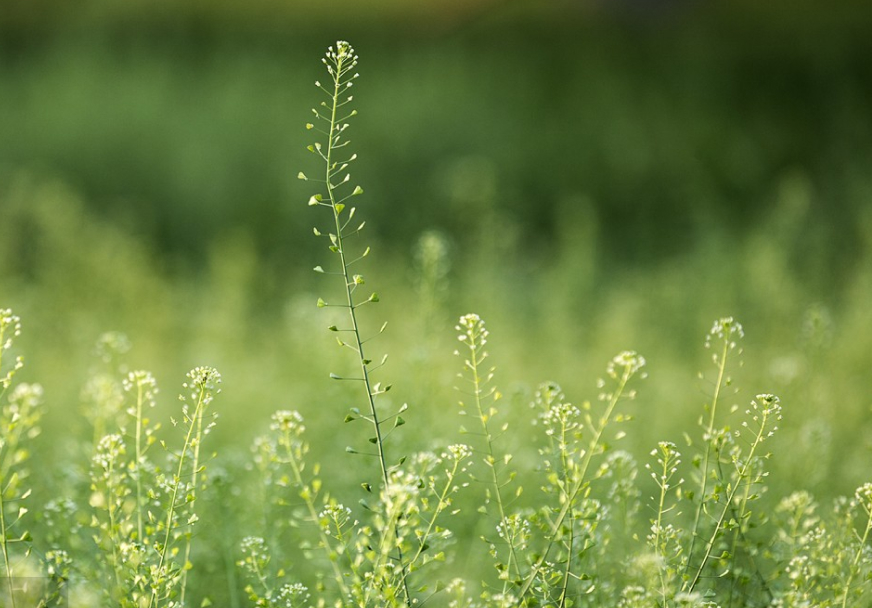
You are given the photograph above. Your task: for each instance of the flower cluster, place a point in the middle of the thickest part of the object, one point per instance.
(287, 421)
(625, 364)
(726, 329)
(473, 332)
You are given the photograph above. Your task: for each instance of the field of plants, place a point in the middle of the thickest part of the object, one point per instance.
(482, 317)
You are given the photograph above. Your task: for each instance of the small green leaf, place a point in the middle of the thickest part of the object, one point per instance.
(400, 421)
(357, 190)
(373, 440)
(318, 269)
(333, 328)
(321, 303)
(373, 297)
(302, 176)
(316, 231)
(340, 207)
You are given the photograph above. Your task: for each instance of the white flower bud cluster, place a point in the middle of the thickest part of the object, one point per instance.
(473, 330)
(626, 363)
(725, 328)
(9, 321)
(515, 529)
(335, 514)
(292, 595)
(109, 449)
(288, 421)
(144, 384)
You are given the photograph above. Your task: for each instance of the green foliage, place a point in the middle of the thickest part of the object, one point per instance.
(548, 494)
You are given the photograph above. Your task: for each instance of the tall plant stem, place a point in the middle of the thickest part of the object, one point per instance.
(5, 544)
(743, 477)
(8, 448)
(313, 514)
(350, 284)
(194, 478)
(704, 472)
(139, 457)
(577, 487)
(856, 560)
(177, 480)
(490, 459)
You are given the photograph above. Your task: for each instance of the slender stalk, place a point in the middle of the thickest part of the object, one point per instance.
(663, 483)
(9, 446)
(343, 61)
(4, 531)
(578, 485)
(742, 478)
(177, 480)
(859, 554)
(567, 572)
(139, 459)
(313, 514)
(198, 437)
(475, 359)
(704, 472)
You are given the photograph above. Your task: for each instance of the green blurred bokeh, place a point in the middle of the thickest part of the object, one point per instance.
(589, 177)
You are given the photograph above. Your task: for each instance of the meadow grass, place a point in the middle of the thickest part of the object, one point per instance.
(532, 500)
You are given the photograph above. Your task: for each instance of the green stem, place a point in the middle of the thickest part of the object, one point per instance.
(490, 459)
(198, 437)
(744, 474)
(4, 532)
(349, 293)
(313, 514)
(568, 570)
(439, 508)
(177, 480)
(663, 485)
(722, 367)
(856, 559)
(139, 459)
(577, 487)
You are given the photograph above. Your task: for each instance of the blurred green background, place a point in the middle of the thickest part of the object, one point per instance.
(589, 177)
